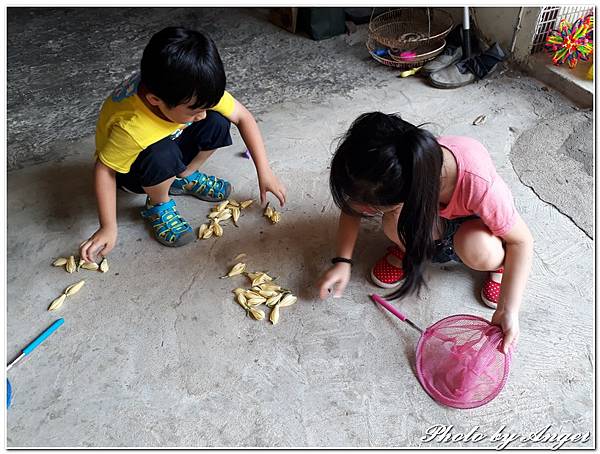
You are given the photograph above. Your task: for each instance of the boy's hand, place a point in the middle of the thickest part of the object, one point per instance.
(509, 322)
(100, 243)
(338, 276)
(268, 182)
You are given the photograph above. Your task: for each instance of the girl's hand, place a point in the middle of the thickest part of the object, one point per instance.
(509, 322)
(101, 242)
(268, 182)
(338, 276)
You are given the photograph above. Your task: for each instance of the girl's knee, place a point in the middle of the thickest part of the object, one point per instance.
(477, 247)
(483, 258)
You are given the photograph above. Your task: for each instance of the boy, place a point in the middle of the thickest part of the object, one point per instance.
(157, 129)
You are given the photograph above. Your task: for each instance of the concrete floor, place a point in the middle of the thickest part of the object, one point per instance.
(155, 353)
(63, 62)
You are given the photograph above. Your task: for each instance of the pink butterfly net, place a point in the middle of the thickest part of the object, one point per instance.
(460, 362)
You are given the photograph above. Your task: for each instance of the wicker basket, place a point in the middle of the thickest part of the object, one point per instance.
(424, 53)
(410, 28)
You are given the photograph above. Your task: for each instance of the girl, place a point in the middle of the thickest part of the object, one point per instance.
(440, 199)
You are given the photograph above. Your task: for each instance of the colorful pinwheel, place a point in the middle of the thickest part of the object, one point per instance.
(571, 42)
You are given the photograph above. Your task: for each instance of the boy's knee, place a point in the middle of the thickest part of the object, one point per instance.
(159, 162)
(208, 134)
(219, 127)
(215, 126)
(162, 151)
(218, 121)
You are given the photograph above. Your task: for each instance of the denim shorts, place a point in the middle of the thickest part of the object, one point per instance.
(444, 247)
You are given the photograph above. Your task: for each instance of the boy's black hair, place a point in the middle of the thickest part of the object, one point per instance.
(382, 161)
(180, 65)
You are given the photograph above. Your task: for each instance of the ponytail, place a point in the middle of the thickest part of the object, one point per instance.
(420, 211)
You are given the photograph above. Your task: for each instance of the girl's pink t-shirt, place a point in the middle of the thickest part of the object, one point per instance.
(479, 189)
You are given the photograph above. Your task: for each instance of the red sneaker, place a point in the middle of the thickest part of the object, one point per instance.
(491, 288)
(386, 275)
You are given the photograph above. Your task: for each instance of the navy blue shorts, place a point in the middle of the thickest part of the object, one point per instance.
(169, 157)
(444, 247)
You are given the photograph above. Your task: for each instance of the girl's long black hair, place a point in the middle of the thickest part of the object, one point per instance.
(382, 161)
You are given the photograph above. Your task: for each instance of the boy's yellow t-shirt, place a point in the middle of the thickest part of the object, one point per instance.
(126, 126)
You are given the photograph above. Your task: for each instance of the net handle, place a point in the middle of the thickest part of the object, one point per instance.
(379, 300)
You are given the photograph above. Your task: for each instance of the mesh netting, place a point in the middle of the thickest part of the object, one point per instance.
(460, 362)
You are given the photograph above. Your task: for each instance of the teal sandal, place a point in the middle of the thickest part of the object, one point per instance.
(169, 227)
(202, 186)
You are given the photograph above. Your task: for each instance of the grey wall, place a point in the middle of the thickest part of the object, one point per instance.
(499, 24)
(526, 33)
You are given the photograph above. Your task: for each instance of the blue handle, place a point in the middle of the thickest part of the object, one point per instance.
(42, 337)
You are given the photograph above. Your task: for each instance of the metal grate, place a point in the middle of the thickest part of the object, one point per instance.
(549, 18)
